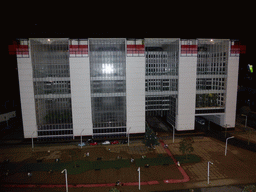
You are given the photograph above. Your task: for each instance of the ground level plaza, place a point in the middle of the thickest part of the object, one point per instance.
(238, 167)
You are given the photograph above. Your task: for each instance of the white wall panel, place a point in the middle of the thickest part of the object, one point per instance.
(80, 95)
(186, 93)
(27, 97)
(135, 94)
(231, 91)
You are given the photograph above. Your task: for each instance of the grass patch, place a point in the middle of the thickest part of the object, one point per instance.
(117, 164)
(45, 166)
(73, 167)
(84, 165)
(153, 161)
(190, 159)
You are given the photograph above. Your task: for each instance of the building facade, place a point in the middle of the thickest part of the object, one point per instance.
(107, 87)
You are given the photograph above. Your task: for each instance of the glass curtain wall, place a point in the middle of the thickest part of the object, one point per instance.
(162, 59)
(108, 86)
(51, 78)
(212, 61)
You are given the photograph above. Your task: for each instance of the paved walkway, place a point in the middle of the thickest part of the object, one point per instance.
(204, 148)
(138, 149)
(237, 165)
(243, 133)
(214, 189)
(184, 174)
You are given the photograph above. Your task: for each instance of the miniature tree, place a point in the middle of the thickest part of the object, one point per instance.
(186, 146)
(150, 138)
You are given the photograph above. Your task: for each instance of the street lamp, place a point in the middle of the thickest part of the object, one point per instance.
(173, 132)
(208, 172)
(66, 177)
(249, 129)
(32, 140)
(139, 176)
(245, 121)
(81, 137)
(227, 144)
(129, 136)
(226, 126)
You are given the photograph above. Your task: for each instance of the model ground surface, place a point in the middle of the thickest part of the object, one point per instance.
(114, 163)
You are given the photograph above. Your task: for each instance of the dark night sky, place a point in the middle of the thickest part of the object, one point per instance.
(129, 20)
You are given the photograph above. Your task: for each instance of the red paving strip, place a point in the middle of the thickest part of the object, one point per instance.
(60, 186)
(185, 179)
(184, 174)
(95, 185)
(81, 185)
(50, 186)
(141, 183)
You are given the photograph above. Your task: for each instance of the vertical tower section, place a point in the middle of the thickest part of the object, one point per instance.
(211, 80)
(52, 92)
(135, 85)
(107, 59)
(80, 86)
(161, 77)
(187, 85)
(231, 86)
(25, 72)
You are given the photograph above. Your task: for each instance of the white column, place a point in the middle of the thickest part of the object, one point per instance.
(135, 93)
(231, 91)
(27, 96)
(81, 95)
(186, 93)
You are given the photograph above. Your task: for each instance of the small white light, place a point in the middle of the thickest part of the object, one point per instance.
(211, 40)
(48, 40)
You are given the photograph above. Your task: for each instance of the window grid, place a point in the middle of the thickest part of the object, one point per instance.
(108, 86)
(162, 58)
(50, 63)
(52, 87)
(171, 116)
(211, 73)
(154, 85)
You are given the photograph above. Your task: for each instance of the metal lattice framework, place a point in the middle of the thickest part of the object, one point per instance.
(51, 78)
(108, 86)
(212, 62)
(162, 59)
